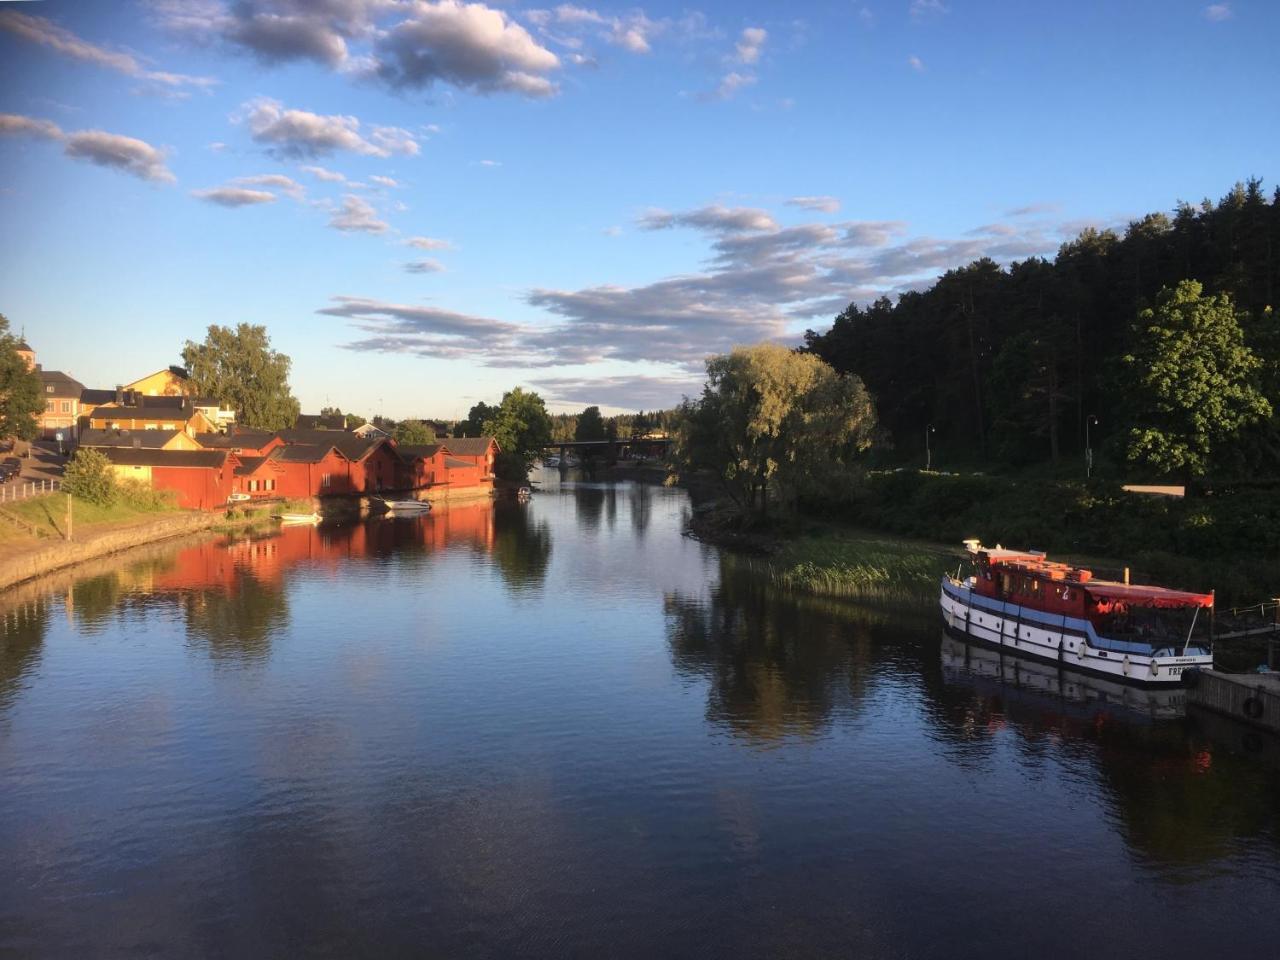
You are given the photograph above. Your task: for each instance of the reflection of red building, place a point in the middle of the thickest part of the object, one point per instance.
(215, 564)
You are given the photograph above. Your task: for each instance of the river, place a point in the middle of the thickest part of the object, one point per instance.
(562, 729)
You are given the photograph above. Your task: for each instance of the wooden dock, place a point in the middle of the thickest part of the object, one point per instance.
(1253, 698)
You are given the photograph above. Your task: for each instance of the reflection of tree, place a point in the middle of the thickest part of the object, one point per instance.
(589, 502)
(641, 496)
(22, 630)
(521, 549)
(96, 600)
(236, 623)
(1179, 800)
(777, 667)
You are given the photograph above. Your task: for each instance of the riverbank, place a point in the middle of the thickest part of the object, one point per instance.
(894, 532)
(105, 531)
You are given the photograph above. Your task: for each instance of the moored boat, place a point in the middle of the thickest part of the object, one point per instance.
(294, 519)
(406, 508)
(1027, 604)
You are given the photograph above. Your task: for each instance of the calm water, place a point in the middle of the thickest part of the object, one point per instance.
(563, 730)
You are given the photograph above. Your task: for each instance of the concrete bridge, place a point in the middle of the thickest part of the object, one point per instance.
(611, 450)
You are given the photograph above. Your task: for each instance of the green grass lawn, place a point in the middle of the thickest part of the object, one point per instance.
(48, 515)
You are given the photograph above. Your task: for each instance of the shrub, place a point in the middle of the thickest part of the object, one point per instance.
(89, 476)
(140, 496)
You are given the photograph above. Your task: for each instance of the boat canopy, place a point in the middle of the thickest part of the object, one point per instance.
(1138, 595)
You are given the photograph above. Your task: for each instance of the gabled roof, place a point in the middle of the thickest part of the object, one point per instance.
(247, 439)
(23, 345)
(92, 397)
(455, 464)
(127, 456)
(145, 439)
(63, 384)
(250, 465)
(317, 421)
(469, 446)
(179, 372)
(112, 412)
(302, 452)
(350, 445)
(410, 451)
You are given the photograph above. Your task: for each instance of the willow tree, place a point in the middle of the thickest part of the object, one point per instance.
(774, 425)
(238, 368)
(1192, 381)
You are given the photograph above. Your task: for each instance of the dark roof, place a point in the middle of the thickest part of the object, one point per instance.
(252, 439)
(469, 446)
(455, 463)
(316, 421)
(302, 452)
(424, 450)
(350, 445)
(127, 456)
(139, 413)
(23, 345)
(63, 385)
(92, 397)
(147, 439)
(250, 464)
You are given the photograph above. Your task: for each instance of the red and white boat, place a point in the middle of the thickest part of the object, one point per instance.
(1027, 604)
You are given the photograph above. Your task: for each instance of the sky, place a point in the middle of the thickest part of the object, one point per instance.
(428, 202)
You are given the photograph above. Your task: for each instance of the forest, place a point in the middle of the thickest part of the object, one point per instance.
(1020, 366)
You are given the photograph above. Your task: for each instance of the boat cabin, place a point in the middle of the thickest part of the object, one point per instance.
(1145, 618)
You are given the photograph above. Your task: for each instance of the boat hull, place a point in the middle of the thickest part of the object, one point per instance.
(1071, 644)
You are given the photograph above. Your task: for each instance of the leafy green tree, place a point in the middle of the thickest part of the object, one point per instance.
(1192, 381)
(89, 477)
(413, 433)
(522, 427)
(774, 425)
(640, 425)
(21, 399)
(239, 368)
(478, 416)
(590, 425)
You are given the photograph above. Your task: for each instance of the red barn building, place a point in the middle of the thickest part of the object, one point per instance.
(199, 479)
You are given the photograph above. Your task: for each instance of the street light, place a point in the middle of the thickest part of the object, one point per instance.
(1088, 446)
(928, 454)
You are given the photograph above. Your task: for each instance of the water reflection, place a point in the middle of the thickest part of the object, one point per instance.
(1179, 798)
(23, 623)
(778, 666)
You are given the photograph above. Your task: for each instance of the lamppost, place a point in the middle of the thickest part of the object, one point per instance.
(1090, 420)
(928, 453)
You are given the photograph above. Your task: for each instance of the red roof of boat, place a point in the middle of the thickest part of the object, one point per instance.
(1147, 596)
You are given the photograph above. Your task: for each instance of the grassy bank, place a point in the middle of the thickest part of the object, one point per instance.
(39, 519)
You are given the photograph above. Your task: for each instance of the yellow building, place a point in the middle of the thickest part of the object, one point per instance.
(169, 382)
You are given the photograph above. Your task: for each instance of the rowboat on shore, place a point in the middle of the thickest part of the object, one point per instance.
(1026, 604)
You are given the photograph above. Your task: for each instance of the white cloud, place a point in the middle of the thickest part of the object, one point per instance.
(116, 151)
(356, 215)
(730, 84)
(915, 63)
(428, 243)
(45, 32)
(924, 9)
(300, 133)
(235, 196)
(425, 265)
(388, 182)
(489, 163)
(468, 45)
(1217, 12)
(822, 204)
(16, 125)
(714, 217)
(750, 45)
(328, 176)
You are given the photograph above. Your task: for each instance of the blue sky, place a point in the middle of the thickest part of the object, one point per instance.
(428, 202)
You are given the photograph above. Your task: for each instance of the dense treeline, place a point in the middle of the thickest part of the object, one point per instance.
(1010, 365)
